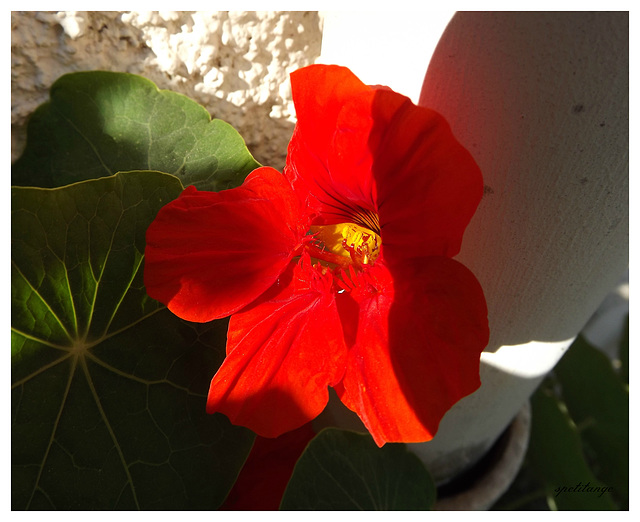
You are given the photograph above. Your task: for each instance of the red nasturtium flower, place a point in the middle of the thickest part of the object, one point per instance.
(337, 273)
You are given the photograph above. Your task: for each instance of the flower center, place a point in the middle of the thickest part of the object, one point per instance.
(344, 244)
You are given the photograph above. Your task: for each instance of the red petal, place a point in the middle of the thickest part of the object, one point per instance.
(417, 348)
(282, 354)
(210, 254)
(355, 147)
(321, 94)
(266, 473)
(429, 186)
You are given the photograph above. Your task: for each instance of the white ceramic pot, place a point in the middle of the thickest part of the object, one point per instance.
(541, 101)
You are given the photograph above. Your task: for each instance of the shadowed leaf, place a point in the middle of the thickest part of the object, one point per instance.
(108, 387)
(599, 405)
(555, 455)
(342, 470)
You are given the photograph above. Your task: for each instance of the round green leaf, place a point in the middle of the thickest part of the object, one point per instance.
(108, 387)
(342, 470)
(98, 123)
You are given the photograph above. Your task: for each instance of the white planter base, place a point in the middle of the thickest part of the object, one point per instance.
(481, 486)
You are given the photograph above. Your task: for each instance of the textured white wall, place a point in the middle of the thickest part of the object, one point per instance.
(234, 63)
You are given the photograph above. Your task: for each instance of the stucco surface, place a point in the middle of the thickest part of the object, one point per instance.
(234, 63)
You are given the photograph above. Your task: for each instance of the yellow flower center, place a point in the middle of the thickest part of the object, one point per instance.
(345, 244)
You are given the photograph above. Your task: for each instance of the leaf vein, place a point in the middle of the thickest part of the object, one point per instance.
(52, 437)
(44, 301)
(87, 140)
(124, 294)
(140, 380)
(40, 370)
(338, 483)
(103, 414)
(102, 270)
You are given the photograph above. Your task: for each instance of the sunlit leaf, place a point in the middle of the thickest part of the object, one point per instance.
(108, 387)
(342, 470)
(98, 123)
